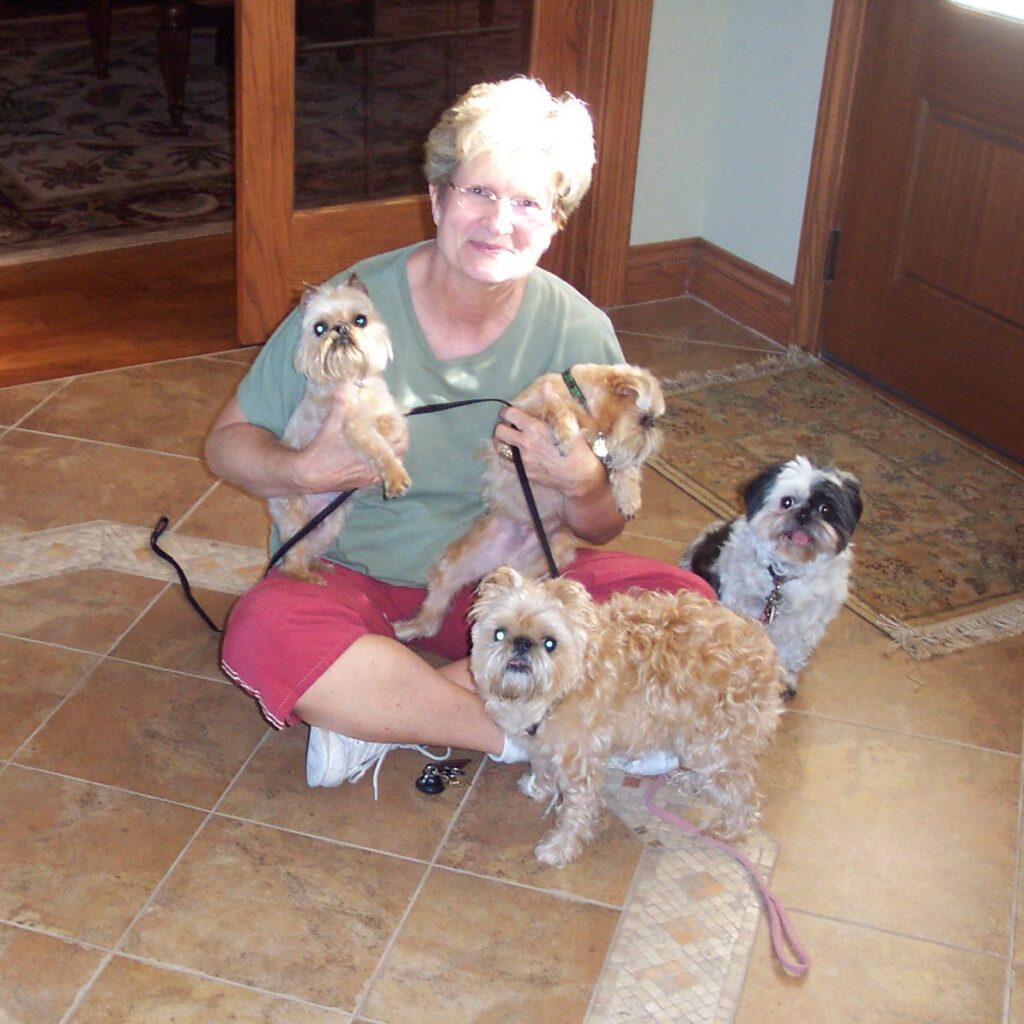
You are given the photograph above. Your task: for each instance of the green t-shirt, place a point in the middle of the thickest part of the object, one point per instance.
(397, 540)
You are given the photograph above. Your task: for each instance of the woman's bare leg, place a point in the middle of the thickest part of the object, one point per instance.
(381, 691)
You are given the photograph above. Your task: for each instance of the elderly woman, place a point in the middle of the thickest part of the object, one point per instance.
(471, 316)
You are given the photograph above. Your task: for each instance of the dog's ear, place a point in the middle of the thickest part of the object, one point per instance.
(756, 491)
(851, 490)
(308, 291)
(575, 599)
(354, 282)
(493, 587)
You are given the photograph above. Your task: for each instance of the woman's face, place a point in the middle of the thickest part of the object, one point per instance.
(495, 242)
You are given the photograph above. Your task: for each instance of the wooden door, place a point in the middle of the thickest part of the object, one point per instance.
(928, 291)
(596, 49)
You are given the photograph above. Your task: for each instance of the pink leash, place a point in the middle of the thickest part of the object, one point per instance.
(779, 925)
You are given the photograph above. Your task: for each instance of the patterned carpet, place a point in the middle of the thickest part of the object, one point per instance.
(89, 164)
(940, 548)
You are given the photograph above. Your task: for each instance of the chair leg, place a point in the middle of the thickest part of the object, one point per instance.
(98, 20)
(172, 45)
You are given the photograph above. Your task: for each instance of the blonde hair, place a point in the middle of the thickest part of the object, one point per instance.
(515, 116)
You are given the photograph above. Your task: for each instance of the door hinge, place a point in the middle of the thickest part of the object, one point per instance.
(830, 253)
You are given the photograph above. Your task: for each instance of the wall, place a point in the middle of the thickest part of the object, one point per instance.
(728, 124)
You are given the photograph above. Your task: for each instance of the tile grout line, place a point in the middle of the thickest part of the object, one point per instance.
(115, 950)
(1014, 896)
(368, 985)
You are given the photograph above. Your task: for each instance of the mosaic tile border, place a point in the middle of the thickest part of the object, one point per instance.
(684, 943)
(103, 544)
(687, 932)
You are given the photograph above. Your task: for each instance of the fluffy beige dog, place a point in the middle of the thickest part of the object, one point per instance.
(617, 409)
(577, 682)
(344, 347)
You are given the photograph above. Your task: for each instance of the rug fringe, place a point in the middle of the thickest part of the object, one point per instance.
(792, 357)
(925, 642)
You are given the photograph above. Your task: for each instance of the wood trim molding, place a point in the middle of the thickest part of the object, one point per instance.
(828, 161)
(597, 49)
(752, 296)
(264, 162)
(702, 270)
(660, 270)
(327, 239)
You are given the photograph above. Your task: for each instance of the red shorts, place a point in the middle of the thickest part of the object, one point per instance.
(282, 635)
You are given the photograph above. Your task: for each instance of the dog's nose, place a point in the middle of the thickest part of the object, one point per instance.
(521, 644)
(803, 515)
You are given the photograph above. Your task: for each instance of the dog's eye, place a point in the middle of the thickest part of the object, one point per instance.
(825, 510)
(499, 635)
(360, 321)
(550, 643)
(786, 502)
(319, 328)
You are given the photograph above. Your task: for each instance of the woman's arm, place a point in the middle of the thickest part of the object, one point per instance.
(253, 458)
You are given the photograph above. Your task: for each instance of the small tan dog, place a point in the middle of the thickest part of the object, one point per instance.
(344, 347)
(617, 409)
(577, 682)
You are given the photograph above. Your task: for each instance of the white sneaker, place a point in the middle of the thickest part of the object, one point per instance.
(332, 758)
(654, 762)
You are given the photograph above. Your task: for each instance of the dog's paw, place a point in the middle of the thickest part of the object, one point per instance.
(558, 848)
(535, 788)
(417, 626)
(396, 482)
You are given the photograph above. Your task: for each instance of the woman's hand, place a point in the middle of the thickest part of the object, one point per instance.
(578, 473)
(328, 462)
(254, 459)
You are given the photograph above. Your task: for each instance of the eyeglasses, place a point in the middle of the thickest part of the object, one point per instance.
(482, 202)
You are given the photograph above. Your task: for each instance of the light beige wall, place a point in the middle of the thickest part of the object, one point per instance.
(728, 125)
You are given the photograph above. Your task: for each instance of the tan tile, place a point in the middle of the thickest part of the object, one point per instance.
(244, 354)
(1017, 995)
(475, 950)
(499, 827)
(668, 513)
(34, 678)
(229, 515)
(872, 978)
(57, 481)
(172, 635)
(669, 358)
(88, 609)
(20, 400)
(282, 912)
(974, 696)
(649, 547)
(135, 993)
(40, 975)
(402, 820)
(163, 407)
(686, 318)
(894, 831)
(158, 733)
(78, 859)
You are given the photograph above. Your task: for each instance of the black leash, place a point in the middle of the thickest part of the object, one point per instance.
(339, 499)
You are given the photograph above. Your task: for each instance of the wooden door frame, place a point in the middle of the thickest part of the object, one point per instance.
(843, 58)
(596, 49)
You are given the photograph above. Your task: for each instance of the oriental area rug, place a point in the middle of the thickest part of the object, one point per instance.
(940, 547)
(88, 164)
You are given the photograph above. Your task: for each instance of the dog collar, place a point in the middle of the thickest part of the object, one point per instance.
(599, 446)
(774, 598)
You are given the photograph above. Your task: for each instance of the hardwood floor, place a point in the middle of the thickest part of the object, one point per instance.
(117, 308)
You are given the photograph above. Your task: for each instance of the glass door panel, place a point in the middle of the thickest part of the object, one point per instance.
(372, 77)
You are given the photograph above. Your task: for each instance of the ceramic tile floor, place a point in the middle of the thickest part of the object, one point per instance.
(161, 859)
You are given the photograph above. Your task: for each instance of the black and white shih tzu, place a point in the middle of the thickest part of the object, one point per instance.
(787, 561)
